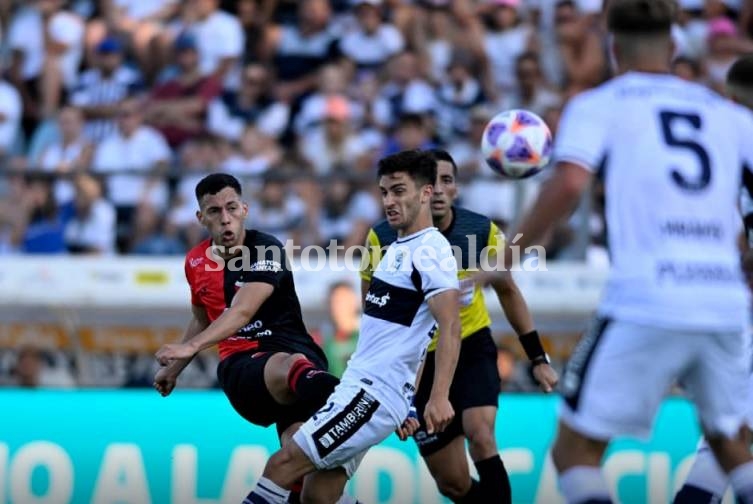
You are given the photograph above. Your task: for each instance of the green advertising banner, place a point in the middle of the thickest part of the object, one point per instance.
(135, 447)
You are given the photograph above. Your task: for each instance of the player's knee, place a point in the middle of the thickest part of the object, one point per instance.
(291, 359)
(481, 442)
(452, 487)
(281, 461)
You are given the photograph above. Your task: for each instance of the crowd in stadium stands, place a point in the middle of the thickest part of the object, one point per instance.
(111, 110)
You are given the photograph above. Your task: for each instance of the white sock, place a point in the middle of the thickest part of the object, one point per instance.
(347, 499)
(741, 479)
(582, 483)
(269, 492)
(706, 473)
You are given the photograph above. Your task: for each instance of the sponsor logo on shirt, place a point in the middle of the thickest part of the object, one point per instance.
(267, 266)
(345, 424)
(380, 301)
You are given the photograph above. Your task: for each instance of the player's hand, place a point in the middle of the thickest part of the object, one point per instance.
(410, 425)
(438, 414)
(546, 377)
(164, 381)
(174, 351)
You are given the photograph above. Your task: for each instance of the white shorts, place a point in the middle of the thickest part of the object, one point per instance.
(620, 372)
(341, 432)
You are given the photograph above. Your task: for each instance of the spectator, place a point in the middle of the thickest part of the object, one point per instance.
(687, 69)
(35, 368)
(91, 229)
(412, 132)
(333, 146)
(256, 154)
(342, 334)
(44, 223)
(153, 235)
(133, 148)
(510, 378)
(47, 46)
(725, 45)
(101, 90)
(299, 51)
(219, 38)
(11, 111)
(141, 22)
(68, 154)
(582, 48)
(406, 91)
(458, 94)
(346, 215)
(178, 107)
(252, 103)
(277, 211)
(530, 92)
(506, 38)
(373, 42)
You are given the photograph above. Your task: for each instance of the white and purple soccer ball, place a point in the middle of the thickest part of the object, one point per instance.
(517, 144)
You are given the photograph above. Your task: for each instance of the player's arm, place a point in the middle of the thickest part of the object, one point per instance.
(246, 303)
(166, 377)
(445, 307)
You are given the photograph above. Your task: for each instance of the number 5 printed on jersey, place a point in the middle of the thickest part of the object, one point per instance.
(688, 183)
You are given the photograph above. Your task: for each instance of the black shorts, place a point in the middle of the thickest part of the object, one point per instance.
(241, 377)
(476, 383)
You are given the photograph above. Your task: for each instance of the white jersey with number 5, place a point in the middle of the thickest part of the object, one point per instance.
(673, 154)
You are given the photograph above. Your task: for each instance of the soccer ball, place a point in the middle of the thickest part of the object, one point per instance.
(517, 144)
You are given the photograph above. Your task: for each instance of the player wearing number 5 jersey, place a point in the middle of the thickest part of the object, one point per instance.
(674, 308)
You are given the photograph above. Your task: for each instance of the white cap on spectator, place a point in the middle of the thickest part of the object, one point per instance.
(375, 3)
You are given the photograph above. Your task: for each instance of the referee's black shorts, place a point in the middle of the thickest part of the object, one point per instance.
(476, 383)
(241, 377)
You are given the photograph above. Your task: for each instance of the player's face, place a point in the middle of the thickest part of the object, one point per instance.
(445, 190)
(224, 215)
(402, 199)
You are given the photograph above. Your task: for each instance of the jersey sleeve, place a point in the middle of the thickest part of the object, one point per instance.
(192, 284)
(371, 257)
(436, 267)
(269, 268)
(495, 240)
(582, 132)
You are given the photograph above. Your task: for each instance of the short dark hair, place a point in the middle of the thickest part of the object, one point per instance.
(443, 155)
(641, 17)
(216, 182)
(420, 165)
(741, 72)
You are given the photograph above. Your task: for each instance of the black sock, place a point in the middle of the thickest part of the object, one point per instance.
(312, 385)
(473, 496)
(495, 483)
(690, 494)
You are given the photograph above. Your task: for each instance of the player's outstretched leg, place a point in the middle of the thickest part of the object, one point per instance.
(283, 469)
(577, 460)
(449, 468)
(294, 378)
(706, 482)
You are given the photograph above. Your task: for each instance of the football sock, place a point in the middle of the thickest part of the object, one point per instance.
(495, 483)
(312, 385)
(474, 495)
(267, 492)
(584, 485)
(741, 479)
(706, 481)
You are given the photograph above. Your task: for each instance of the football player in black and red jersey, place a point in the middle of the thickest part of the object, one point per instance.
(243, 299)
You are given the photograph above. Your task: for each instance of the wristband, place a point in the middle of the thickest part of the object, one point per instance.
(413, 413)
(532, 345)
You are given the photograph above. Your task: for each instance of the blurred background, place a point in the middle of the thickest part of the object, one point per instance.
(112, 110)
